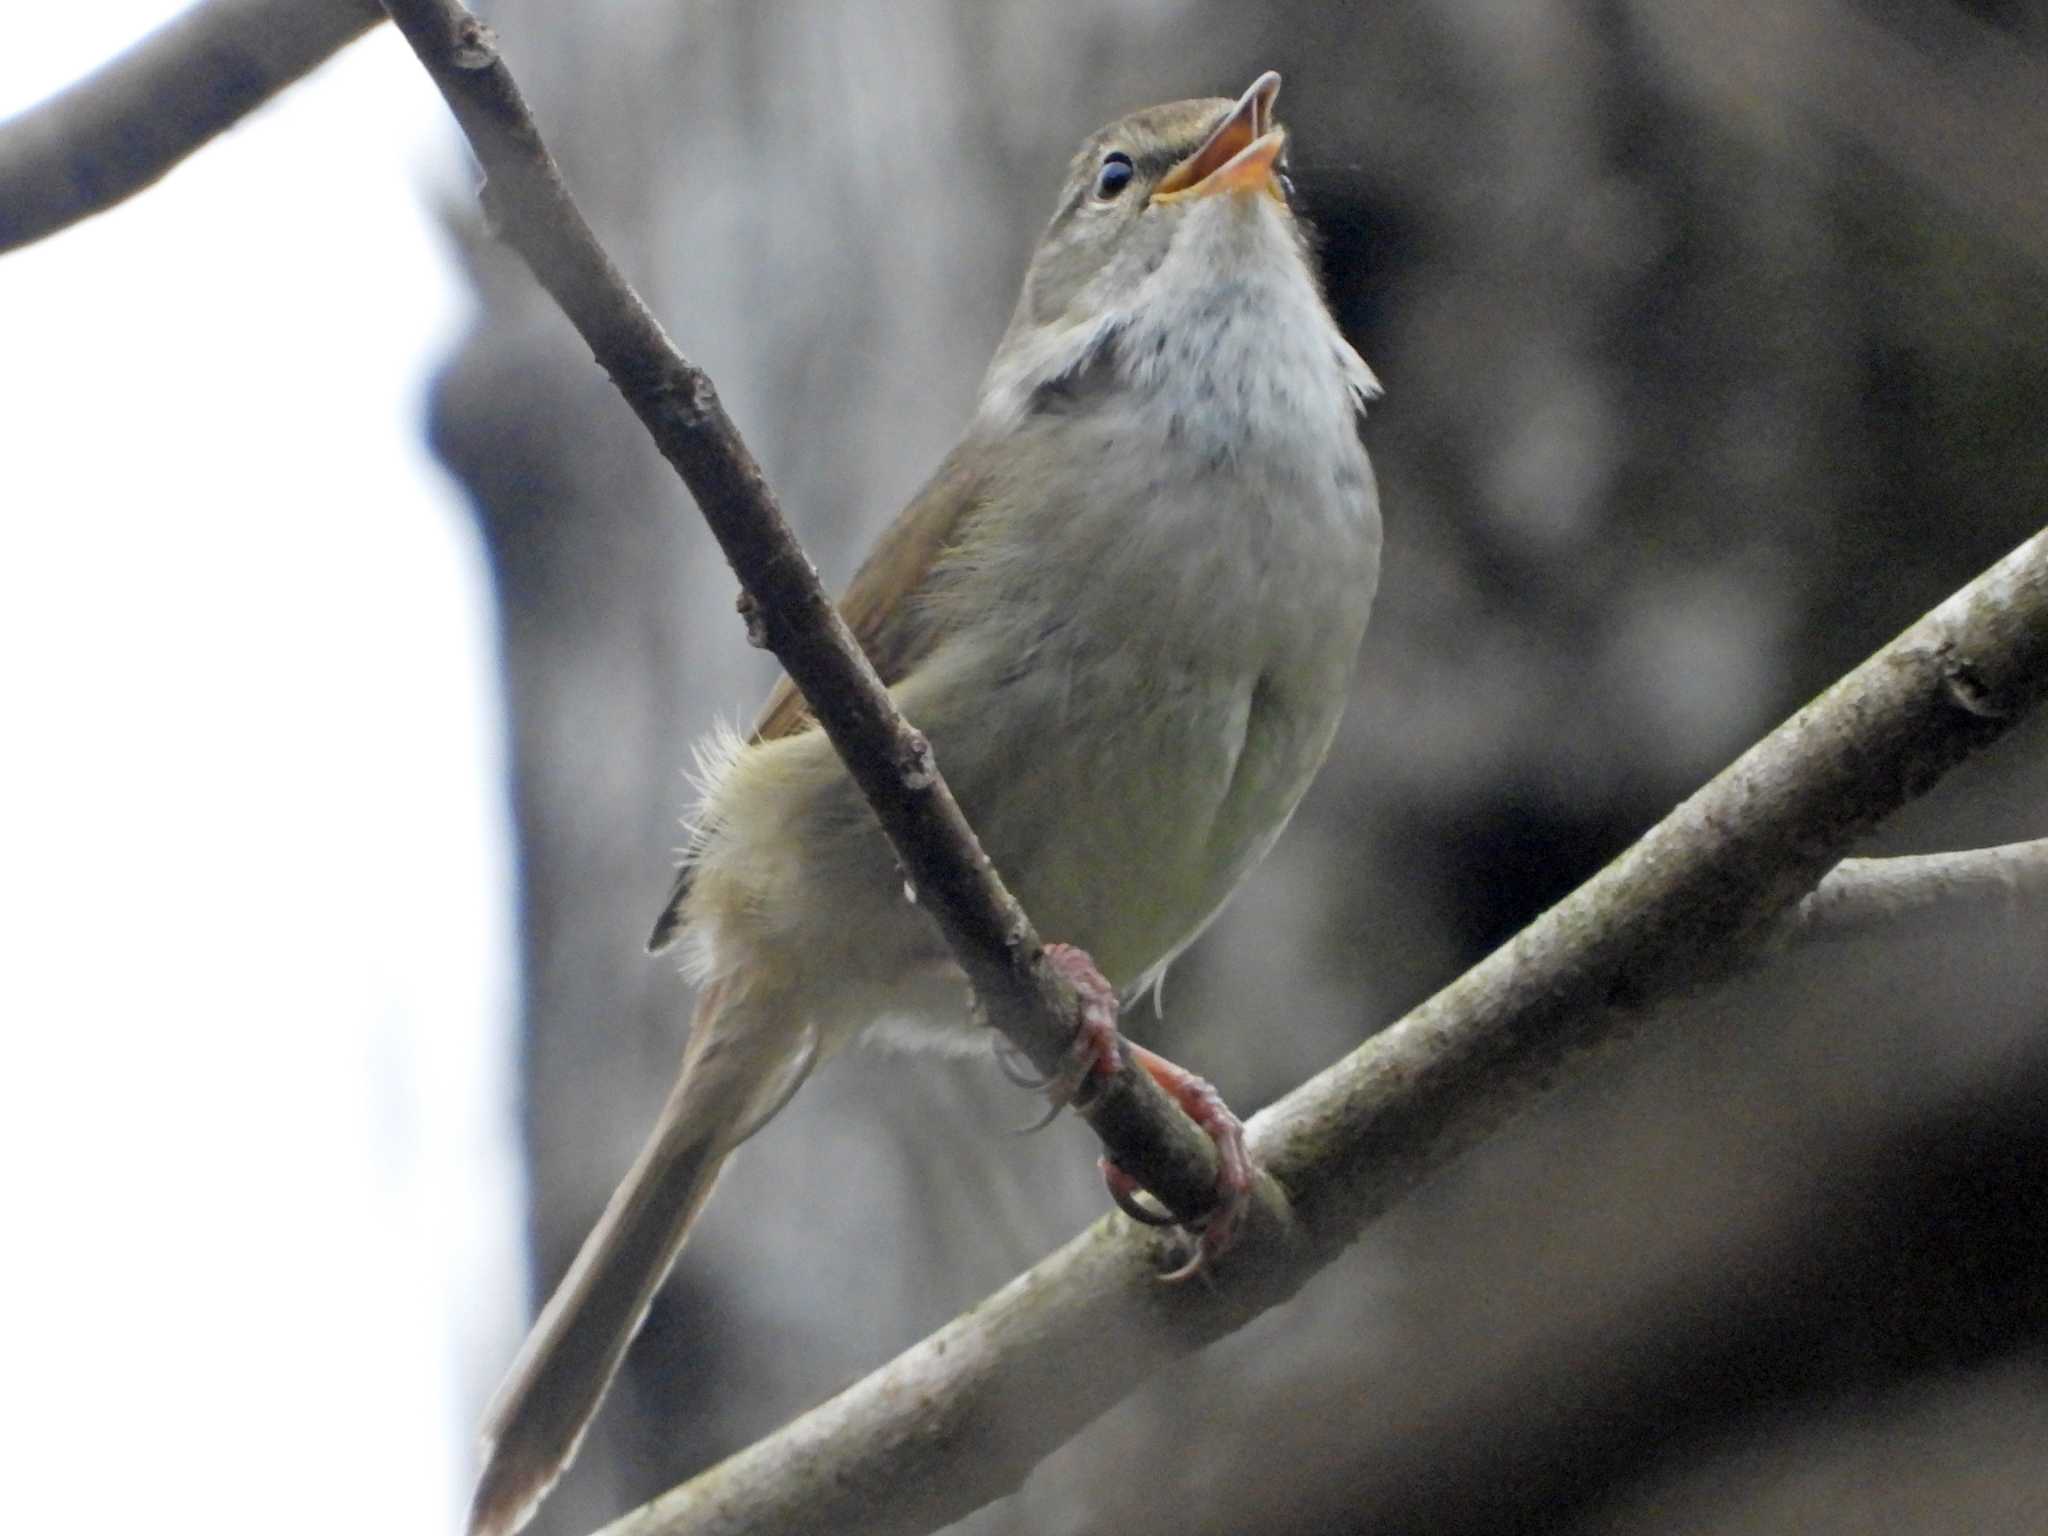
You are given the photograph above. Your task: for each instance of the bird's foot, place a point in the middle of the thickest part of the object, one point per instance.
(1095, 1055)
(1094, 1052)
(1215, 1231)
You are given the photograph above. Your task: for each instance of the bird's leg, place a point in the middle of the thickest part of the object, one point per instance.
(1097, 1053)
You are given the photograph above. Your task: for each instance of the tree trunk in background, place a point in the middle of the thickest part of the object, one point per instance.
(1692, 400)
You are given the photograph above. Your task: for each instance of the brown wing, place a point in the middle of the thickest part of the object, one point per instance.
(878, 609)
(874, 605)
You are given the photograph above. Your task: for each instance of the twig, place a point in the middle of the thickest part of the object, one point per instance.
(983, 924)
(1864, 896)
(131, 120)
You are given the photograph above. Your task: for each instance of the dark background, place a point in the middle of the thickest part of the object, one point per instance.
(1712, 337)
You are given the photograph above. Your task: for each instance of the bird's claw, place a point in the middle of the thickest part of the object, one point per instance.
(1016, 1067)
(1216, 1230)
(1125, 1190)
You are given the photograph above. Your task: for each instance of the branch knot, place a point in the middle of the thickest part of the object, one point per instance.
(914, 761)
(695, 397)
(1967, 688)
(476, 46)
(755, 618)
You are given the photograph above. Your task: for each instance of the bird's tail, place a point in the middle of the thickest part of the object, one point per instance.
(744, 1059)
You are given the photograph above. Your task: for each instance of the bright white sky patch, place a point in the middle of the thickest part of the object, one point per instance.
(253, 1111)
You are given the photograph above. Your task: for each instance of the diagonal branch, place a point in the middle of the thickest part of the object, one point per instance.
(788, 610)
(134, 118)
(959, 1419)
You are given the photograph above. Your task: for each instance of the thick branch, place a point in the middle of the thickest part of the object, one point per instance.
(126, 124)
(960, 1418)
(789, 611)
(1680, 907)
(1865, 896)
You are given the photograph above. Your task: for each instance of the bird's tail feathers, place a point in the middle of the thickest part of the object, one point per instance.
(745, 1058)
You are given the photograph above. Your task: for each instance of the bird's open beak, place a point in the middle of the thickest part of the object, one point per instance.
(1238, 156)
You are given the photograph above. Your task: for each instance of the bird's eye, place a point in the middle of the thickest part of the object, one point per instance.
(1115, 175)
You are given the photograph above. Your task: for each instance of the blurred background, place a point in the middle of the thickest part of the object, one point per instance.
(1712, 337)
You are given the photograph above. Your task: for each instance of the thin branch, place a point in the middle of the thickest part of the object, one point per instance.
(122, 127)
(1865, 896)
(960, 1418)
(788, 610)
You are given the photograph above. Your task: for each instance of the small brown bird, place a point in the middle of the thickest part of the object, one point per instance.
(1125, 611)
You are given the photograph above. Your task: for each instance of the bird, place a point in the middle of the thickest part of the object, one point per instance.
(1125, 611)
